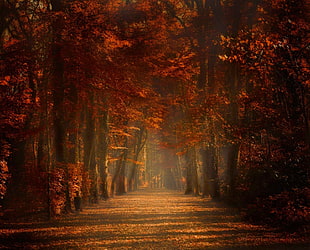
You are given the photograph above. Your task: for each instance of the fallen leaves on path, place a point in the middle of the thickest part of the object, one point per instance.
(148, 219)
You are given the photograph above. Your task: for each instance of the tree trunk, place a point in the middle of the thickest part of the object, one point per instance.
(58, 83)
(103, 142)
(89, 140)
(120, 188)
(120, 184)
(191, 174)
(116, 174)
(132, 182)
(233, 86)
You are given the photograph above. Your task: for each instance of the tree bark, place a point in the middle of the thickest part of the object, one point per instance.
(103, 142)
(89, 141)
(191, 174)
(133, 182)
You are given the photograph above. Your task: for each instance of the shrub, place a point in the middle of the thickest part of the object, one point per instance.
(289, 210)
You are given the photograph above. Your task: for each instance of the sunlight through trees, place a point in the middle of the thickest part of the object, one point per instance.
(208, 97)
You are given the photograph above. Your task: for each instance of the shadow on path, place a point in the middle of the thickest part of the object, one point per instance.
(148, 219)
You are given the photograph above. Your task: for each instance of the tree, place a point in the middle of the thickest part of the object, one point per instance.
(272, 59)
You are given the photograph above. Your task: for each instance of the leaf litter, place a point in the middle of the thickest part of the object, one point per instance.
(149, 219)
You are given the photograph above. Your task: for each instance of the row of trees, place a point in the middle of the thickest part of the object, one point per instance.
(224, 83)
(75, 95)
(244, 121)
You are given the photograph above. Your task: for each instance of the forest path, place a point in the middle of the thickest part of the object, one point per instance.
(147, 219)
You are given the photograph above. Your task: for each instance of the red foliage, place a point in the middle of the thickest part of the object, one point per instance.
(289, 209)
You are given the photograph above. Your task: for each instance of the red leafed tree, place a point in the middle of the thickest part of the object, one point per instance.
(275, 126)
(18, 96)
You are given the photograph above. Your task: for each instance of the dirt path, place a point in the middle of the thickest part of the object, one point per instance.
(147, 219)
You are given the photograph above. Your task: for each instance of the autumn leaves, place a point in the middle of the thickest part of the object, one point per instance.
(223, 83)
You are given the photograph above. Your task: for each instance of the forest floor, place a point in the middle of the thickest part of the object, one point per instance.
(148, 219)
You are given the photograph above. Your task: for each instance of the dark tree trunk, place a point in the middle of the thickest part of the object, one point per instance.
(58, 84)
(89, 141)
(133, 180)
(116, 175)
(233, 87)
(191, 174)
(120, 184)
(103, 142)
(233, 157)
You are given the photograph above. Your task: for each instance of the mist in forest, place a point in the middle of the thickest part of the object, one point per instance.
(100, 99)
